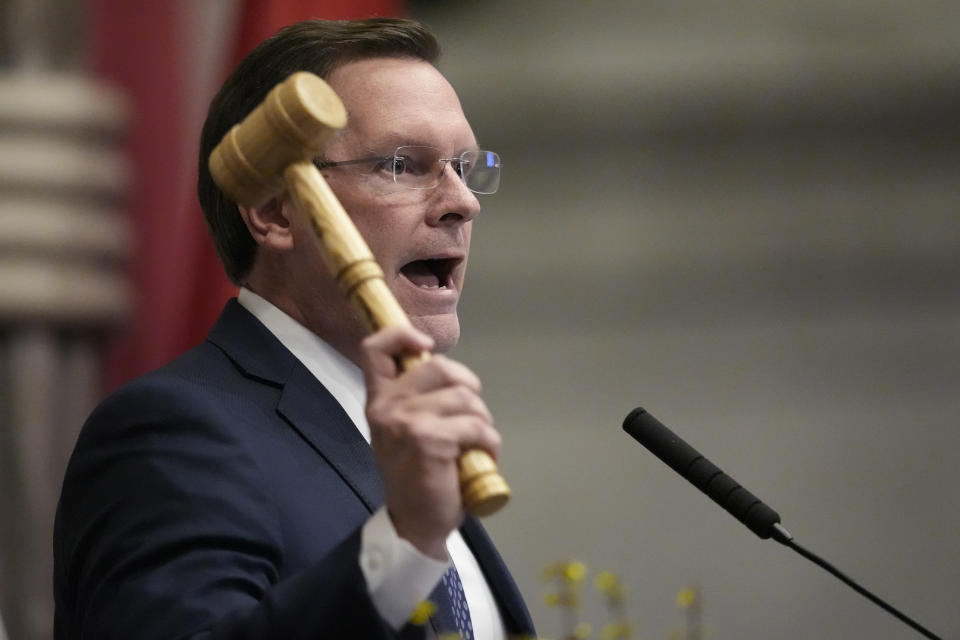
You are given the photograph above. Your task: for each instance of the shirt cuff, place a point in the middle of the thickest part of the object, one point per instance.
(398, 575)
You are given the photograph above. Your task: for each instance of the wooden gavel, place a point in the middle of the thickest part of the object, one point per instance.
(272, 150)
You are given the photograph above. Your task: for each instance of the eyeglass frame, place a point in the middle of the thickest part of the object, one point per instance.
(325, 164)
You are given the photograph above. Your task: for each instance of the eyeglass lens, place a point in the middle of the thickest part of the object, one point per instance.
(480, 171)
(422, 168)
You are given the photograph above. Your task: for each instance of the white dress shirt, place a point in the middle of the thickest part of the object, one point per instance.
(398, 575)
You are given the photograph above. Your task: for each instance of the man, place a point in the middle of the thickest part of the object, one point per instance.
(232, 494)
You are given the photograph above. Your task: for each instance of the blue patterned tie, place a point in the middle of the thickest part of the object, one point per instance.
(452, 614)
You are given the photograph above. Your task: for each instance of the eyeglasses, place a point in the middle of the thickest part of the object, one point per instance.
(416, 167)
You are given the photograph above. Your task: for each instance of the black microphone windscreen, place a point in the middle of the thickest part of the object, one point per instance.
(702, 473)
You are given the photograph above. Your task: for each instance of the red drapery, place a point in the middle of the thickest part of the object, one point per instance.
(178, 284)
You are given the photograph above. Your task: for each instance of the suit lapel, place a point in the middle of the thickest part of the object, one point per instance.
(498, 577)
(304, 403)
(322, 422)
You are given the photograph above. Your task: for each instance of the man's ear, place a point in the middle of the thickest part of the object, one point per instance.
(269, 225)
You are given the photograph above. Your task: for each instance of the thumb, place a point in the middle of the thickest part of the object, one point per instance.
(382, 350)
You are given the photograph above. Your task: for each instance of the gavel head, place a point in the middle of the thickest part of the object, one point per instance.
(293, 124)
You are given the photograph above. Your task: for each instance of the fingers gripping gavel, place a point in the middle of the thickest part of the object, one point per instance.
(272, 150)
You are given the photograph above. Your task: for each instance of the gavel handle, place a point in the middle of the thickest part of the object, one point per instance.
(360, 278)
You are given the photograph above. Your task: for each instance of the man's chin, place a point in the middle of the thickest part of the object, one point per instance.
(444, 329)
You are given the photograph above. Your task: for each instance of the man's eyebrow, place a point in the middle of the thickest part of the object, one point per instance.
(393, 140)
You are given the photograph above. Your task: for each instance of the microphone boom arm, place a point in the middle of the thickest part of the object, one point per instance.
(740, 503)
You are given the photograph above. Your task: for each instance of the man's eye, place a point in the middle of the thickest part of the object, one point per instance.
(412, 164)
(395, 165)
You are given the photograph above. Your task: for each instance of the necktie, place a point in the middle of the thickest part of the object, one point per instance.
(452, 614)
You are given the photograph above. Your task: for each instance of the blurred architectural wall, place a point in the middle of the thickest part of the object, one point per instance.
(744, 217)
(63, 242)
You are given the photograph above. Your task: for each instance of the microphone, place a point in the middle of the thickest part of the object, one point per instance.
(740, 503)
(704, 475)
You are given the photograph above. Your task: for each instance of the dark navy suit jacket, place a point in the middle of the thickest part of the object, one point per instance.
(222, 496)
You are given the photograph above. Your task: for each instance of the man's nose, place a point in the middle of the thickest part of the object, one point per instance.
(455, 203)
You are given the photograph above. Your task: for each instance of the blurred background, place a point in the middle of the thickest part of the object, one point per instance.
(742, 216)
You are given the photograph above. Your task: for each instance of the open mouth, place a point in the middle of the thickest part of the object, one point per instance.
(434, 273)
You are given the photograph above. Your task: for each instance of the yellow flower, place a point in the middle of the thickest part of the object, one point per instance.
(575, 571)
(686, 597)
(613, 631)
(422, 612)
(605, 581)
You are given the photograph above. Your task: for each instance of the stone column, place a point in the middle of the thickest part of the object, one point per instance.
(63, 241)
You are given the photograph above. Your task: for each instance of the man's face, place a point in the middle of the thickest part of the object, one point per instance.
(421, 238)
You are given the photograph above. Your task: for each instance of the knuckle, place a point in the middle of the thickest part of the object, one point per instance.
(482, 409)
(421, 428)
(464, 396)
(444, 370)
(373, 342)
(417, 430)
(385, 414)
(479, 428)
(375, 411)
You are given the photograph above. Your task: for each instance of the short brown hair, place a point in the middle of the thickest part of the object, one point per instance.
(318, 46)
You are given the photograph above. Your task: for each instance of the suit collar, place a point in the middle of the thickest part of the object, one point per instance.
(251, 347)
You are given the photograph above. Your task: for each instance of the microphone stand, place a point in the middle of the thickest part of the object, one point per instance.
(783, 537)
(740, 503)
